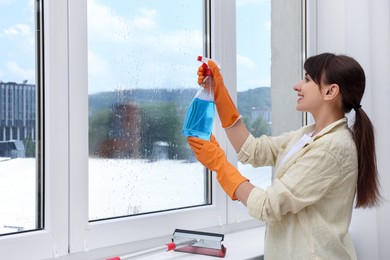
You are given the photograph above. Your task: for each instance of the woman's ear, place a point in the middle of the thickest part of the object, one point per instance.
(331, 92)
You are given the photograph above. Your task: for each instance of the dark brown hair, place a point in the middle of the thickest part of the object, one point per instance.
(328, 68)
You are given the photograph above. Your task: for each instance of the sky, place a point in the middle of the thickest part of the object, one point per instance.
(253, 25)
(17, 41)
(141, 44)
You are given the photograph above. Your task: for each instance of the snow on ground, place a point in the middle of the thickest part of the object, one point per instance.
(117, 187)
(17, 194)
(139, 186)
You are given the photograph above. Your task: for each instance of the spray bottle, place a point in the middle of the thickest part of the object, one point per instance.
(201, 112)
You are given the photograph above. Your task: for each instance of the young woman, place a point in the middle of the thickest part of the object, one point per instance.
(320, 170)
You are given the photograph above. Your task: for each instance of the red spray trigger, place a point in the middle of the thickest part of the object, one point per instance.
(207, 70)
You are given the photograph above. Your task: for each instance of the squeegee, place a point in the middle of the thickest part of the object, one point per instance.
(195, 242)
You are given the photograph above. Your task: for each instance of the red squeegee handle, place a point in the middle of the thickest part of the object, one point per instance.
(171, 246)
(168, 247)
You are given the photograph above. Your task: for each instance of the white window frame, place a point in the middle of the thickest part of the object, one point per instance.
(67, 229)
(84, 235)
(224, 51)
(286, 70)
(52, 241)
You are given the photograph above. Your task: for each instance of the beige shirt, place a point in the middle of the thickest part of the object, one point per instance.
(309, 205)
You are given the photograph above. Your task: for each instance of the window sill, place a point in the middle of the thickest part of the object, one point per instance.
(243, 244)
(247, 244)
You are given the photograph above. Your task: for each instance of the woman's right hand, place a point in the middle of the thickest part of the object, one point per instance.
(226, 108)
(227, 111)
(201, 74)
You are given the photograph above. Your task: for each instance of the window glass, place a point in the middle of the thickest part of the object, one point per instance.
(19, 177)
(142, 76)
(253, 20)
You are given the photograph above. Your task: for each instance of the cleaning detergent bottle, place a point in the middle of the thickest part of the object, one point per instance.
(201, 112)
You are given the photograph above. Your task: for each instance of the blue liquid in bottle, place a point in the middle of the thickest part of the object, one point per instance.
(199, 119)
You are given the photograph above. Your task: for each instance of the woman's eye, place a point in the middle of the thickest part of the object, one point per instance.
(307, 79)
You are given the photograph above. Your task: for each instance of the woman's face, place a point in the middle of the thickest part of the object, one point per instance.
(310, 96)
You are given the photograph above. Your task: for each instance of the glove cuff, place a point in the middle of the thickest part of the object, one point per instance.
(227, 110)
(230, 178)
(234, 120)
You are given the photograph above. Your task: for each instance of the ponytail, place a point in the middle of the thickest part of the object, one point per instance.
(345, 71)
(368, 184)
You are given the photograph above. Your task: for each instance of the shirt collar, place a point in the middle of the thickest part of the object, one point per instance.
(327, 129)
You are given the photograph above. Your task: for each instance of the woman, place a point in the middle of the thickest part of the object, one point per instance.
(319, 169)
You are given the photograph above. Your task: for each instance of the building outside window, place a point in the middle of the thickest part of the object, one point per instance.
(20, 202)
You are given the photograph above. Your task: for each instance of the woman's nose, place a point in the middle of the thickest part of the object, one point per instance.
(297, 86)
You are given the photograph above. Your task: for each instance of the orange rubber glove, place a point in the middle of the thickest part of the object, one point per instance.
(210, 154)
(226, 109)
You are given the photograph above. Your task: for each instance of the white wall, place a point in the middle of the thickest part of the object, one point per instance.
(287, 60)
(361, 29)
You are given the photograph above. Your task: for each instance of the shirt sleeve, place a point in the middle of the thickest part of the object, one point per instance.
(305, 182)
(264, 150)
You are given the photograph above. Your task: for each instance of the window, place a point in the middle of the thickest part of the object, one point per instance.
(253, 20)
(126, 150)
(20, 170)
(142, 76)
(74, 160)
(265, 95)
